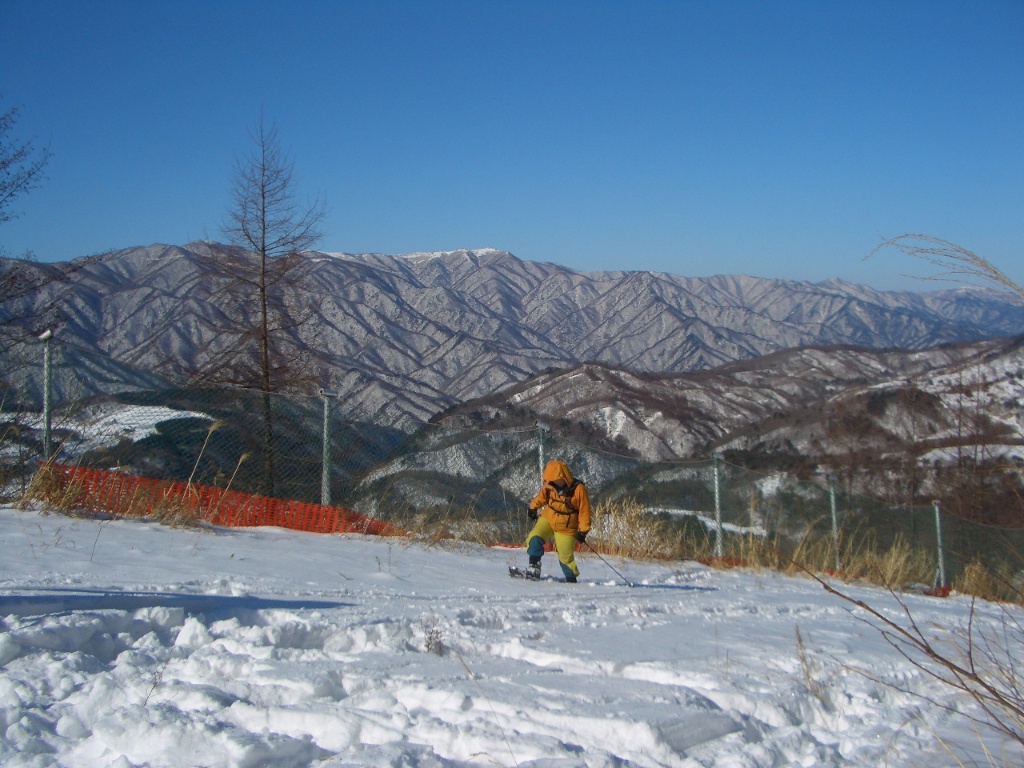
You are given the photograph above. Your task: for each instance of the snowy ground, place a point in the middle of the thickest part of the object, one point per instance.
(129, 644)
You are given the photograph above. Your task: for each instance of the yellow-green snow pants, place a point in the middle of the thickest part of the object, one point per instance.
(565, 545)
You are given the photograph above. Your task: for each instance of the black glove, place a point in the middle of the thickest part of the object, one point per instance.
(531, 513)
(581, 536)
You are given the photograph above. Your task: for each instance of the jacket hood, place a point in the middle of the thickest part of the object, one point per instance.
(557, 470)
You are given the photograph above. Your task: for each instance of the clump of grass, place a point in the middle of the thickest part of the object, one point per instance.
(624, 527)
(697, 543)
(811, 671)
(448, 529)
(750, 551)
(433, 636)
(815, 552)
(898, 566)
(175, 511)
(979, 580)
(48, 486)
(447, 526)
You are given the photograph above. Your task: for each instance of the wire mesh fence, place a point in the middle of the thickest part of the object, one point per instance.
(314, 449)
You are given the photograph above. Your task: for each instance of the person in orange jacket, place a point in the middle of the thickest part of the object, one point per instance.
(562, 511)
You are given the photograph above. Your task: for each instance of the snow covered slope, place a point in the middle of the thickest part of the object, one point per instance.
(129, 644)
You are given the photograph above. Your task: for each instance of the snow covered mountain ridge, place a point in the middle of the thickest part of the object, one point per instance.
(812, 402)
(420, 333)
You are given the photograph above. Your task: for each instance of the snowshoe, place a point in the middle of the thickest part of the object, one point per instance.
(530, 574)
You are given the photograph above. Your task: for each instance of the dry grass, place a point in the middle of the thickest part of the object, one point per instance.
(447, 526)
(70, 498)
(623, 527)
(176, 512)
(979, 580)
(898, 566)
(448, 529)
(159, 504)
(47, 486)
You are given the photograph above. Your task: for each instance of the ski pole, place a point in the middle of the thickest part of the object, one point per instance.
(628, 582)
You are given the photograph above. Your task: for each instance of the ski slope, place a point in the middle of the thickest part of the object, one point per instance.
(132, 644)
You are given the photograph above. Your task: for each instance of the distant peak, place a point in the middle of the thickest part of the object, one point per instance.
(463, 252)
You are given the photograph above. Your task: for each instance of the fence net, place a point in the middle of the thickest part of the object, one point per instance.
(105, 415)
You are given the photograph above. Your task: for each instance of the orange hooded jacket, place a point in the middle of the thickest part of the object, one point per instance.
(568, 510)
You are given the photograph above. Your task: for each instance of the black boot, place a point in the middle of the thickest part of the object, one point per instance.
(534, 568)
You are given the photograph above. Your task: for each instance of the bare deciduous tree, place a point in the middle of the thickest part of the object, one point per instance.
(21, 170)
(21, 165)
(266, 221)
(272, 229)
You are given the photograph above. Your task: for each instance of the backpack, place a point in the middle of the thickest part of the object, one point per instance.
(566, 497)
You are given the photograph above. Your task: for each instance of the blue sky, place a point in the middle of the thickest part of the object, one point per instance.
(777, 139)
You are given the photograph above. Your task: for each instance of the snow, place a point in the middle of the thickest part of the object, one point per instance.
(771, 485)
(126, 643)
(612, 420)
(434, 255)
(709, 522)
(106, 424)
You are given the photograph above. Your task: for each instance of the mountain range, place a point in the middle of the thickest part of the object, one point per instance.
(417, 334)
(811, 402)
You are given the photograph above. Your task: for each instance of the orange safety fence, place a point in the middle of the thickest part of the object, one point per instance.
(119, 493)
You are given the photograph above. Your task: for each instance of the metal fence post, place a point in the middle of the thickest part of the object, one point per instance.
(835, 517)
(45, 337)
(718, 508)
(325, 466)
(541, 429)
(938, 540)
